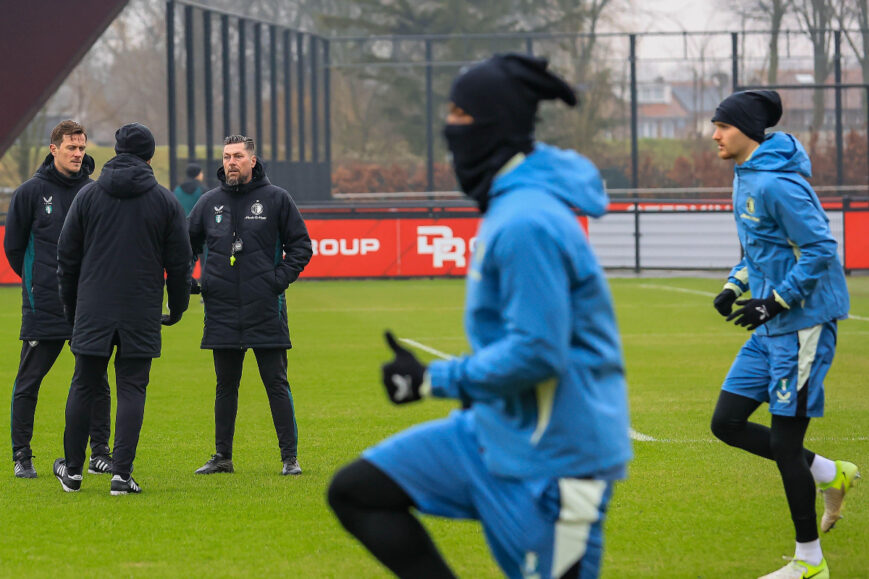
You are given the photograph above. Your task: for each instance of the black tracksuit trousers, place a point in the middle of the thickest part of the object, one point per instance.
(36, 361)
(131, 378)
(272, 363)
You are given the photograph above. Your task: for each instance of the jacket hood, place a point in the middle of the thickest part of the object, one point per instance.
(258, 179)
(127, 176)
(48, 171)
(779, 152)
(564, 174)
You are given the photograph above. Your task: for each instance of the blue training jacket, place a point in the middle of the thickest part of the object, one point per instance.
(786, 238)
(546, 379)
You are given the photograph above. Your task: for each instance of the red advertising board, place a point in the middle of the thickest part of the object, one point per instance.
(390, 247)
(856, 240)
(394, 247)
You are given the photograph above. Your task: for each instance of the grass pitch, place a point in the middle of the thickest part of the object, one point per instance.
(691, 508)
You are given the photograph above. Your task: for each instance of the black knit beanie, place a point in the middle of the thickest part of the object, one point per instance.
(750, 111)
(135, 139)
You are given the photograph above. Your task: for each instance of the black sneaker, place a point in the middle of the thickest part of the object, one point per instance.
(217, 463)
(291, 466)
(23, 464)
(71, 483)
(121, 486)
(100, 464)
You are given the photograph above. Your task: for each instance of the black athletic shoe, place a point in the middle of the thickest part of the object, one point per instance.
(100, 464)
(291, 466)
(23, 464)
(71, 483)
(121, 486)
(217, 463)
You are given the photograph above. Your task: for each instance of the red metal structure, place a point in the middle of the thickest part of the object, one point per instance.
(42, 42)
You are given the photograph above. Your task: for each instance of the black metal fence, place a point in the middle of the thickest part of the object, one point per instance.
(340, 115)
(233, 64)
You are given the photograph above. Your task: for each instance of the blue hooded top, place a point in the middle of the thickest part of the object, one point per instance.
(545, 381)
(786, 237)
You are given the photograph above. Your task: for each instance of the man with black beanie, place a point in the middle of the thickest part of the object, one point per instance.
(33, 223)
(124, 239)
(798, 293)
(189, 192)
(545, 351)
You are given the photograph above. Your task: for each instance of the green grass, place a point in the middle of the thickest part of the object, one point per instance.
(691, 508)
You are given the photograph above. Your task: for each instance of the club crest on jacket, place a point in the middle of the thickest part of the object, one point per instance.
(46, 203)
(218, 213)
(256, 211)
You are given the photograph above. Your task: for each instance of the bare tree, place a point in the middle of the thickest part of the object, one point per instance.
(816, 18)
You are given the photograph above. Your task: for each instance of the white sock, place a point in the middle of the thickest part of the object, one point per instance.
(823, 469)
(809, 552)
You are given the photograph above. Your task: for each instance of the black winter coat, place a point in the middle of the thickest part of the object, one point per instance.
(245, 305)
(33, 224)
(122, 233)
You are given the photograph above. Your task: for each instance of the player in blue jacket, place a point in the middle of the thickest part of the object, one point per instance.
(544, 430)
(798, 293)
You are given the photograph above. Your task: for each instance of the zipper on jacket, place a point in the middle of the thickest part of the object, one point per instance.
(236, 226)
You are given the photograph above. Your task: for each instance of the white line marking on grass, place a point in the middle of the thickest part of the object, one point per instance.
(640, 436)
(425, 348)
(712, 295)
(677, 289)
(633, 433)
(711, 440)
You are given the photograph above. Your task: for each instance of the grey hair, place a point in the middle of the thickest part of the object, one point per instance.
(249, 145)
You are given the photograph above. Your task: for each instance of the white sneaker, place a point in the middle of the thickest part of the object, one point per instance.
(797, 569)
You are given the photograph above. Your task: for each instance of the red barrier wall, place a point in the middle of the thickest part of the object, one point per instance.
(857, 238)
(396, 247)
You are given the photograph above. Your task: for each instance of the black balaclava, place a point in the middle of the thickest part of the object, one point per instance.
(501, 94)
(135, 139)
(750, 111)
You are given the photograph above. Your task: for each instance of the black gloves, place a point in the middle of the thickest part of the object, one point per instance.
(723, 302)
(195, 288)
(169, 319)
(755, 312)
(403, 376)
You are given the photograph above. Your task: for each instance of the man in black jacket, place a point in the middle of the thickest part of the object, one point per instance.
(257, 246)
(120, 236)
(36, 214)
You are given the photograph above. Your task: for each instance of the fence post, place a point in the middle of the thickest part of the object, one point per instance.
(224, 69)
(258, 85)
(242, 78)
(288, 99)
(191, 84)
(170, 91)
(429, 117)
(209, 95)
(635, 148)
(734, 65)
(840, 146)
(273, 90)
(300, 91)
(315, 95)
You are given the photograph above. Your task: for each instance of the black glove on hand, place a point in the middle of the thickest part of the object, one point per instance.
(169, 319)
(195, 288)
(723, 302)
(402, 376)
(755, 312)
